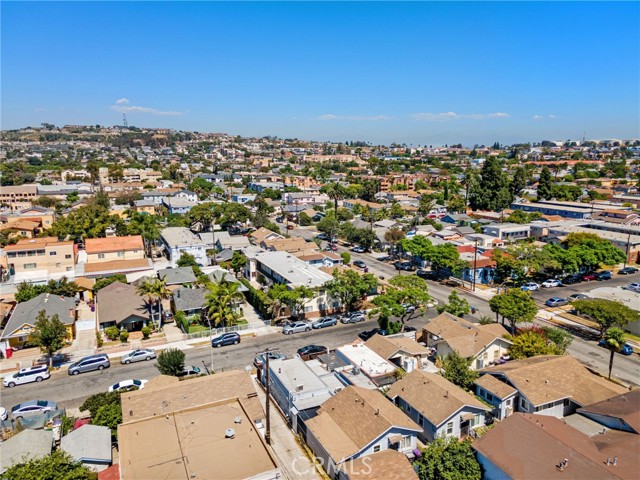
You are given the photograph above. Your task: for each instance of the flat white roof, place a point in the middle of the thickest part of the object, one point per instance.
(181, 237)
(366, 360)
(292, 269)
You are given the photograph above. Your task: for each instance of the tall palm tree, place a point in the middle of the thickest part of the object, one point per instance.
(336, 191)
(613, 340)
(155, 290)
(219, 302)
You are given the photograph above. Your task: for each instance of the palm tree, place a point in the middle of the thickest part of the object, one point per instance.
(613, 340)
(155, 290)
(219, 302)
(336, 191)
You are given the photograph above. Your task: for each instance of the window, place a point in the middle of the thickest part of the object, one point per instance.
(523, 404)
(120, 254)
(405, 442)
(53, 253)
(449, 428)
(30, 266)
(376, 448)
(67, 257)
(101, 255)
(421, 420)
(489, 397)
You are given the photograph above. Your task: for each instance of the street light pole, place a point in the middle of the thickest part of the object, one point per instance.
(210, 341)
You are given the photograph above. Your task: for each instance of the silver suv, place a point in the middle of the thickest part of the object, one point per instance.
(90, 363)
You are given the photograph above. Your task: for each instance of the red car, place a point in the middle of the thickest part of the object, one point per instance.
(587, 277)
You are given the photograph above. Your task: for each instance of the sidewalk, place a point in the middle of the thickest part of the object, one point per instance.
(292, 459)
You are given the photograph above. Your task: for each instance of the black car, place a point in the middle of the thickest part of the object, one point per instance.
(606, 275)
(232, 338)
(312, 351)
(571, 279)
(367, 334)
(359, 264)
(628, 271)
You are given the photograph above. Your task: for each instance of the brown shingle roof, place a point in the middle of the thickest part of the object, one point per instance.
(385, 465)
(117, 266)
(388, 346)
(113, 244)
(464, 337)
(528, 447)
(495, 386)
(435, 397)
(353, 418)
(549, 378)
(119, 301)
(625, 407)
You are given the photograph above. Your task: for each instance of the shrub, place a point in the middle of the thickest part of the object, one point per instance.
(109, 415)
(112, 333)
(146, 331)
(346, 257)
(99, 340)
(94, 402)
(124, 336)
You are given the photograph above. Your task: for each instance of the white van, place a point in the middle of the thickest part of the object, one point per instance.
(27, 375)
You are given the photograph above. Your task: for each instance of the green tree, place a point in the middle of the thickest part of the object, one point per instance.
(346, 257)
(396, 210)
(57, 466)
(294, 299)
(448, 459)
(50, 334)
(492, 192)
(106, 281)
(606, 313)
(456, 204)
(613, 341)
(27, 290)
(456, 369)
(95, 401)
(238, 262)
(531, 343)
(328, 224)
(304, 220)
(88, 221)
(109, 415)
(220, 302)
(561, 338)
(170, 362)
(335, 191)
(445, 256)
(403, 290)
(418, 246)
(544, 184)
(519, 181)
(187, 260)
(515, 305)
(155, 290)
(457, 305)
(349, 287)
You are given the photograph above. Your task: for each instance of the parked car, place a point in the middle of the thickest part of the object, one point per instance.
(359, 264)
(260, 360)
(354, 317)
(27, 375)
(429, 274)
(554, 282)
(367, 334)
(577, 296)
(189, 371)
(322, 236)
(231, 338)
(127, 385)
(556, 302)
(3, 414)
(384, 259)
(89, 364)
(310, 352)
(409, 328)
(296, 327)
(358, 249)
(32, 407)
(634, 287)
(628, 271)
(325, 322)
(589, 276)
(571, 279)
(290, 227)
(531, 286)
(606, 275)
(625, 350)
(142, 354)
(409, 307)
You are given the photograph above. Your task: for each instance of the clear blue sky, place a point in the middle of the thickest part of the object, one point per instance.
(415, 73)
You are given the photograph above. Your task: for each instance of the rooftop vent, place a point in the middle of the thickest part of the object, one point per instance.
(238, 419)
(229, 433)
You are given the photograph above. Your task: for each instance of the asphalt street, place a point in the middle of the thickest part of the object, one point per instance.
(71, 391)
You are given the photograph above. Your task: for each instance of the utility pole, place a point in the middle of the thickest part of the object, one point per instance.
(267, 436)
(475, 259)
(213, 233)
(626, 250)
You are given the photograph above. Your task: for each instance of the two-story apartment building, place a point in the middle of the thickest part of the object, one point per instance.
(178, 240)
(103, 256)
(18, 197)
(507, 231)
(37, 259)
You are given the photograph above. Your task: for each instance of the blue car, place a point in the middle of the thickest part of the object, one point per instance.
(232, 338)
(625, 350)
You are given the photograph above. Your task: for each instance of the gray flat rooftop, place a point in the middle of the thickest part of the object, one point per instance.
(294, 270)
(181, 237)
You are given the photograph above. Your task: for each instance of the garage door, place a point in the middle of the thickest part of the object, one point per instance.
(85, 325)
